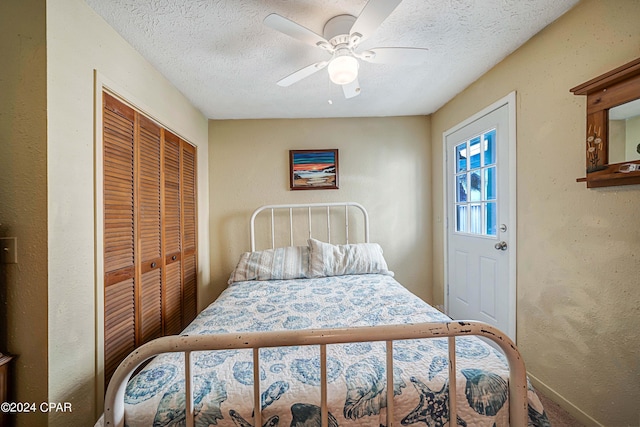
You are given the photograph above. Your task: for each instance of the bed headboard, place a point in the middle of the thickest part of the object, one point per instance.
(291, 217)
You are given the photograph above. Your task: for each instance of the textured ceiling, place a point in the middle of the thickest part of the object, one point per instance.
(226, 62)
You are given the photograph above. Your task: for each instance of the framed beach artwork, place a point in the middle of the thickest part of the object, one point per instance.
(313, 169)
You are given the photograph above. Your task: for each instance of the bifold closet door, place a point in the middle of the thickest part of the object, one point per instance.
(119, 233)
(150, 233)
(189, 233)
(172, 234)
(149, 226)
(180, 235)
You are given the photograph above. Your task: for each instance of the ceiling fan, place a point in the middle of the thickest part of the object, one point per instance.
(342, 34)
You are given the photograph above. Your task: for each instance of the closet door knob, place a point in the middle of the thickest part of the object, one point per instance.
(174, 257)
(153, 265)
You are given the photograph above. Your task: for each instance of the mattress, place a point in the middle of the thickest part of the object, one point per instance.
(290, 376)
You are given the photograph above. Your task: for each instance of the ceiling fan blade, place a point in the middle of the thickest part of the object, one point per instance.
(351, 89)
(295, 30)
(395, 55)
(374, 12)
(302, 73)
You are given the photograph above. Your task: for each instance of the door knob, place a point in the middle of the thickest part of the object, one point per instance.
(501, 246)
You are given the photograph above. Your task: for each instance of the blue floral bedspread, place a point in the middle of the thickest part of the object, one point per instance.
(290, 381)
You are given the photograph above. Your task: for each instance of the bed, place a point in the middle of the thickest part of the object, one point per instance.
(312, 334)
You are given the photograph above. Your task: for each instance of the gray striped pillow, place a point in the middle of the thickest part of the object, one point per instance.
(291, 262)
(326, 259)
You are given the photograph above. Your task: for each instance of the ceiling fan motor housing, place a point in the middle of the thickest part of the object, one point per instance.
(337, 29)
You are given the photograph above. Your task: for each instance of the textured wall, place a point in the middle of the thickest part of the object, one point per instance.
(578, 248)
(23, 199)
(78, 41)
(382, 166)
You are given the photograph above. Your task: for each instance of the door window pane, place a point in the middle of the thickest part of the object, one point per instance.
(490, 147)
(461, 157)
(490, 183)
(461, 218)
(461, 188)
(474, 149)
(476, 219)
(491, 219)
(475, 195)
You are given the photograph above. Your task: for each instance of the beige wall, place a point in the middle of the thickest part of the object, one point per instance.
(23, 194)
(79, 42)
(383, 165)
(578, 248)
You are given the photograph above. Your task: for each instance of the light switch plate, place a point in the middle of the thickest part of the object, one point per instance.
(8, 250)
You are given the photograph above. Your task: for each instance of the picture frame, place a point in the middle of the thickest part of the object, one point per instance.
(313, 169)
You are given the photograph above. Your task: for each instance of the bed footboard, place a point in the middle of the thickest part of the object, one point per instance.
(114, 399)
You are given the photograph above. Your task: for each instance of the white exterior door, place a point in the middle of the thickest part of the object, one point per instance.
(480, 213)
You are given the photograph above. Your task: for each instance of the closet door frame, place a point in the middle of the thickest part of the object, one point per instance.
(102, 84)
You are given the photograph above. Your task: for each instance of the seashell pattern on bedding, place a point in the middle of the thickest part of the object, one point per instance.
(290, 376)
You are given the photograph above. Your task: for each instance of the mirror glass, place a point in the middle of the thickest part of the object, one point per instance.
(624, 132)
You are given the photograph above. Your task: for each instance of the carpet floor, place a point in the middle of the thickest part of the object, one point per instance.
(558, 417)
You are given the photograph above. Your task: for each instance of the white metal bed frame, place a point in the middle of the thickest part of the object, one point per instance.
(518, 413)
(309, 207)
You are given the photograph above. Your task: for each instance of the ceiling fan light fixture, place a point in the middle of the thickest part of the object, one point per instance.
(342, 34)
(343, 69)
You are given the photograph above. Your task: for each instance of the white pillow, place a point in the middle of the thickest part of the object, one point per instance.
(291, 262)
(326, 259)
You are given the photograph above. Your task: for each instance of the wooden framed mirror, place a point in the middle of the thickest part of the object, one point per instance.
(613, 127)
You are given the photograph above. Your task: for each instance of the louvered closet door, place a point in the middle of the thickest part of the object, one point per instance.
(149, 231)
(150, 246)
(189, 234)
(119, 233)
(172, 235)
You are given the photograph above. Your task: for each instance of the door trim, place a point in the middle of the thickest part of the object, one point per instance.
(510, 101)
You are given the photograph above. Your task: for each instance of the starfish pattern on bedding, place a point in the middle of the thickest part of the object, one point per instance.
(433, 409)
